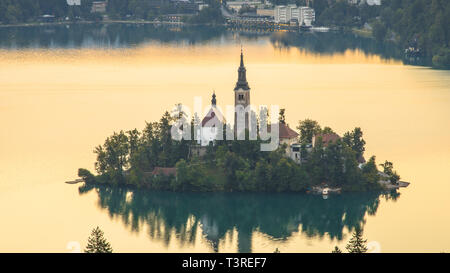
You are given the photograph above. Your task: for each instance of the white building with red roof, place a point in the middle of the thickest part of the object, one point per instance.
(212, 125)
(290, 138)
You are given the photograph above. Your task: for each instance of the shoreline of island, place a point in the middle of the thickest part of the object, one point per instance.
(238, 166)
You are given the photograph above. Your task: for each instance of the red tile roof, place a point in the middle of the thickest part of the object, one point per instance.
(212, 119)
(326, 138)
(285, 131)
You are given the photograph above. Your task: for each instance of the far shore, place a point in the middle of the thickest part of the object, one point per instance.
(359, 32)
(137, 22)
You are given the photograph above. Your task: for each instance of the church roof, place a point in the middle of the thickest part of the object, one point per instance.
(211, 118)
(326, 138)
(214, 116)
(242, 76)
(284, 131)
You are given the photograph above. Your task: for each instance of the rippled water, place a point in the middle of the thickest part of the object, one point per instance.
(63, 90)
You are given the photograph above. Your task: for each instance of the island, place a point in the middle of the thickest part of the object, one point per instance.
(314, 159)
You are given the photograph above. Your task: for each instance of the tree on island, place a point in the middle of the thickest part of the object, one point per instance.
(130, 157)
(355, 141)
(357, 244)
(307, 129)
(112, 156)
(388, 168)
(327, 130)
(97, 243)
(282, 118)
(336, 250)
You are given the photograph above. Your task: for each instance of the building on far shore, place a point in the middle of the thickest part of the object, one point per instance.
(202, 6)
(237, 5)
(99, 6)
(47, 18)
(368, 2)
(303, 15)
(265, 12)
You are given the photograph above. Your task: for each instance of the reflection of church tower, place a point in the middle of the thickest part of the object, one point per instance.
(242, 93)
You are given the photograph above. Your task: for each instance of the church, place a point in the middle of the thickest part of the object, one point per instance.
(214, 121)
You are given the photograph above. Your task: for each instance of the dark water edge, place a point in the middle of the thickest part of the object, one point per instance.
(129, 35)
(277, 215)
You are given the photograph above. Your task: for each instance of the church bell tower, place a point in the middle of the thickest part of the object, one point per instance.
(241, 93)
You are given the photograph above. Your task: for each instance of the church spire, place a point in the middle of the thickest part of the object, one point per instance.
(242, 58)
(242, 75)
(213, 100)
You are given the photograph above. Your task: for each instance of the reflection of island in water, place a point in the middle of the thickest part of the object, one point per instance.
(131, 35)
(276, 215)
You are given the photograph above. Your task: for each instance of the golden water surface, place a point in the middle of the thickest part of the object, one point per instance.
(57, 105)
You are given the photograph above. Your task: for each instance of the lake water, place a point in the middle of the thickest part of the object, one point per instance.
(64, 89)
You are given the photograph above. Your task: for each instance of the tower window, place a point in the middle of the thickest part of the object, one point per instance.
(241, 96)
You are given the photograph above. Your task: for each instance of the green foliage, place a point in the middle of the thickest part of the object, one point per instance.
(379, 31)
(388, 168)
(128, 158)
(370, 176)
(113, 156)
(208, 15)
(442, 58)
(125, 157)
(327, 130)
(355, 141)
(86, 175)
(307, 129)
(357, 244)
(337, 13)
(282, 118)
(15, 11)
(336, 165)
(193, 177)
(421, 23)
(336, 250)
(97, 242)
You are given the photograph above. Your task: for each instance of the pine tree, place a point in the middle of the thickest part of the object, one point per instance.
(336, 250)
(357, 244)
(97, 243)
